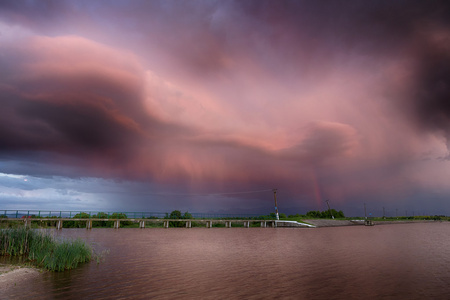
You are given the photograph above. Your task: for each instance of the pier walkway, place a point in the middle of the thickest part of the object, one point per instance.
(144, 219)
(59, 222)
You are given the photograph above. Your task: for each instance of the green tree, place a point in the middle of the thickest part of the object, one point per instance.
(121, 216)
(101, 215)
(81, 215)
(340, 214)
(76, 224)
(187, 216)
(314, 214)
(326, 214)
(176, 214)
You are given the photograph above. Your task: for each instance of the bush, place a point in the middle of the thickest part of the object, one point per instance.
(42, 249)
(326, 214)
(120, 216)
(176, 215)
(187, 216)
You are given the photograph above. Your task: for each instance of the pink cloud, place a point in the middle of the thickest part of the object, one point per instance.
(234, 95)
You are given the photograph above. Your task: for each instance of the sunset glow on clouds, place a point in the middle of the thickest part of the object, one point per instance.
(131, 105)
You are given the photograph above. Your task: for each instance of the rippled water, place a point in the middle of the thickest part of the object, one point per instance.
(409, 261)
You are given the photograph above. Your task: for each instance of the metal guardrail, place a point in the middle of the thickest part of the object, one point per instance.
(17, 214)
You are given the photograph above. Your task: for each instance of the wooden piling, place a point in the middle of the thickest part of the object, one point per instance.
(59, 225)
(142, 224)
(116, 224)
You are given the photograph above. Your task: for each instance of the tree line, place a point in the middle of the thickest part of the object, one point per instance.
(316, 214)
(326, 214)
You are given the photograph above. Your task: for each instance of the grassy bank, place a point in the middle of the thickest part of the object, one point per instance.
(43, 250)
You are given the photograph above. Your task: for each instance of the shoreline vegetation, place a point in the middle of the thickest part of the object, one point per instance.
(42, 250)
(178, 219)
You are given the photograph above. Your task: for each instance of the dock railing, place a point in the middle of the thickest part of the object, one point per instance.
(46, 214)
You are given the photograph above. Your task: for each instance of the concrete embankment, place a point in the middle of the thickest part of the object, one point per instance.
(404, 222)
(335, 223)
(294, 224)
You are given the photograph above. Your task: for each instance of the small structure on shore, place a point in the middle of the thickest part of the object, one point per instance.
(368, 222)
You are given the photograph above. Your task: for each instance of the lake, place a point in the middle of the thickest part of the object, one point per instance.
(401, 261)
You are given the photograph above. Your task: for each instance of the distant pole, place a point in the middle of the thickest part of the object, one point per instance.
(276, 205)
(365, 211)
(384, 213)
(396, 213)
(406, 212)
(328, 204)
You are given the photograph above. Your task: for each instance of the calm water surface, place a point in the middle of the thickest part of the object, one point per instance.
(409, 261)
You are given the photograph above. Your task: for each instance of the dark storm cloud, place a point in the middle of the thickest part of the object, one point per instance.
(323, 143)
(431, 92)
(281, 35)
(62, 106)
(78, 107)
(309, 97)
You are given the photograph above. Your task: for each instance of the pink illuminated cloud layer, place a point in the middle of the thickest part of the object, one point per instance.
(215, 97)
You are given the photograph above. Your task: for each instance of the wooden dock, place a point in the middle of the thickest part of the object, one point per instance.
(187, 223)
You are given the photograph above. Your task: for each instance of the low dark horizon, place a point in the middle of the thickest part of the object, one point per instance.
(191, 105)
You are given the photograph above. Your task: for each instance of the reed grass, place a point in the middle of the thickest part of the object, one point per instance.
(42, 250)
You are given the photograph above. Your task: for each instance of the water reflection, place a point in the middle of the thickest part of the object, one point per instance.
(389, 261)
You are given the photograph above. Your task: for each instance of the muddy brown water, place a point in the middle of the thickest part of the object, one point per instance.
(408, 261)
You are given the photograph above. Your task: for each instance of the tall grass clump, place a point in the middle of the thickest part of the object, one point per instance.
(43, 250)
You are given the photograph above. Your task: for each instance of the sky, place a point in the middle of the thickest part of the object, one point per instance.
(206, 106)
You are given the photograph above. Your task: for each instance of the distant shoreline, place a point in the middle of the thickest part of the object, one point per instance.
(338, 223)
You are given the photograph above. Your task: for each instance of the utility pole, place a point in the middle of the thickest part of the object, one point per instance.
(328, 204)
(396, 213)
(384, 214)
(276, 205)
(365, 211)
